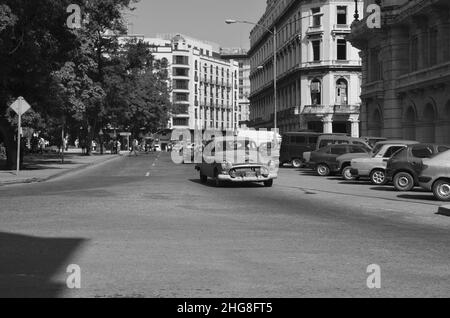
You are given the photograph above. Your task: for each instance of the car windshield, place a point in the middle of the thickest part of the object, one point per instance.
(376, 149)
(232, 145)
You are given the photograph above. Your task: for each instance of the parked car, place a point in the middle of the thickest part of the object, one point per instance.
(254, 167)
(326, 140)
(375, 166)
(435, 175)
(324, 161)
(294, 144)
(404, 167)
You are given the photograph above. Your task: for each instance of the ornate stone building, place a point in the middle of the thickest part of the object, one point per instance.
(406, 70)
(318, 71)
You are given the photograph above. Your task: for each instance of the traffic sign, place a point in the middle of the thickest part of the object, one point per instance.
(20, 106)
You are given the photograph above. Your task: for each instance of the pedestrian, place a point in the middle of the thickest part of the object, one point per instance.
(118, 145)
(134, 147)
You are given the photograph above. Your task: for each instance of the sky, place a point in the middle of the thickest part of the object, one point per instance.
(201, 19)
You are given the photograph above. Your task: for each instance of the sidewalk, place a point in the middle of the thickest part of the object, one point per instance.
(39, 168)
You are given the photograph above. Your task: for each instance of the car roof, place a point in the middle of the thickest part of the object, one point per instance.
(397, 142)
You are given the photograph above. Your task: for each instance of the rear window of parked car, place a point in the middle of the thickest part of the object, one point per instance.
(359, 149)
(422, 152)
(392, 150)
(338, 150)
(443, 149)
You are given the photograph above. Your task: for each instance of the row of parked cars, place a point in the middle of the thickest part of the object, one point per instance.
(404, 163)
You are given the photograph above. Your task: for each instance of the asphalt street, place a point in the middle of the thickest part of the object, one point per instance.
(145, 227)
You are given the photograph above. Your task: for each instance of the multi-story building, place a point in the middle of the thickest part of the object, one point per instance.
(204, 86)
(241, 56)
(318, 71)
(406, 70)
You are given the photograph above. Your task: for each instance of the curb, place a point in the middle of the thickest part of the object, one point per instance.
(444, 210)
(57, 175)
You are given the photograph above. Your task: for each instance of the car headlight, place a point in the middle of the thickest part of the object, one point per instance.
(226, 165)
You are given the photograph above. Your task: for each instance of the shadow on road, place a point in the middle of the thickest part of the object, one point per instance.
(418, 197)
(28, 265)
(211, 184)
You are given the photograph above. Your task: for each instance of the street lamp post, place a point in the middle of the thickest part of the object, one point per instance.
(274, 34)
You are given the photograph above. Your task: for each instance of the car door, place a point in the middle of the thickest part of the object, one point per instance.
(418, 153)
(390, 151)
(337, 151)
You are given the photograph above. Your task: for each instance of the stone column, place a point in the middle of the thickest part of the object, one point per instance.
(327, 124)
(354, 120)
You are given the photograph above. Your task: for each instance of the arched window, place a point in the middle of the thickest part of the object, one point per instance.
(341, 92)
(409, 126)
(428, 132)
(447, 110)
(316, 92)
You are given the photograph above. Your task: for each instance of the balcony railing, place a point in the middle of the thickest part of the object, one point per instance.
(419, 79)
(328, 109)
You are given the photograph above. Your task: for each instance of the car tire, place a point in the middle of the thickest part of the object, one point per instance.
(268, 183)
(203, 178)
(297, 163)
(378, 177)
(323, 170)
(441, 190)
(347, 175)
(403, 181)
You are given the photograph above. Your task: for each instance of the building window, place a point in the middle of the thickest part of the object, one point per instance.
(414, 53)
(342, 15)
(181, 60)
(341, 49)
(433, 46)
(316, 89)
(181, 121)
(316, 50)
(317, 17)
(341, 92)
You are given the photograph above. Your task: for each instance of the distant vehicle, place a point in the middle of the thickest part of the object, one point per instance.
(294, 144)
(375, 166)
(404, 167)
(253, 168)
(435, 175)
(324, 161)
(334, 139)
(157, 147)
(372, 141)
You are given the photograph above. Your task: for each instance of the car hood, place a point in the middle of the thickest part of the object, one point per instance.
(252, 157)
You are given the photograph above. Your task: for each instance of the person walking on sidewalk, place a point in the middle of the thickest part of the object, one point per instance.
(135, 147)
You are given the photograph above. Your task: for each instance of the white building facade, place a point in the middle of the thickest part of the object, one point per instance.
(204, 86)
(318, 71)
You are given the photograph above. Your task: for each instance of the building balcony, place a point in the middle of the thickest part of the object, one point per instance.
(314, 30)
(330, 109)
(435, 75)
(341, 29)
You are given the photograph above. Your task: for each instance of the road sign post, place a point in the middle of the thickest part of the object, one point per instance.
(20, 106)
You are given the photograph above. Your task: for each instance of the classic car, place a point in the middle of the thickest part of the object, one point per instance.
(404, 167)
(236, 159)
(435, 175)
(324, 161)
(375, 166)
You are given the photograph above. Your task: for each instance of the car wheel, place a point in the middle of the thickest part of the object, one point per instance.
(441, 190)
(268, 183)
(203, 178)
(297, 163)
(347, 175)
(378, 177)
(323, 170)
(403, 181)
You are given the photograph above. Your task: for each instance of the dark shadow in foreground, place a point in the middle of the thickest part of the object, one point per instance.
(211, 184)
(28, 265)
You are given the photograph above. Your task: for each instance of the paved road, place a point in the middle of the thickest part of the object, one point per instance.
(144, 227)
